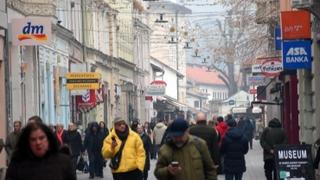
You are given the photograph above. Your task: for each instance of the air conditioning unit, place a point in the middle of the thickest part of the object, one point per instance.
(301, 4)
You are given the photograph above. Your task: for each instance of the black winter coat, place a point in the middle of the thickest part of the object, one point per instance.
(147, 147)
(93, 142)
(271, 136)
(208, 134)
(53, 167)
(73, 140)
(234, 146)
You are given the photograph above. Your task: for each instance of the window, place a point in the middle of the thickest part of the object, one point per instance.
(196, 104)
(213, 95)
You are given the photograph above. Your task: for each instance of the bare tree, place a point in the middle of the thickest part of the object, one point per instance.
(240, 38)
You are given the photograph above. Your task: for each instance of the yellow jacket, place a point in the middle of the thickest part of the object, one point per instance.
(133, 154)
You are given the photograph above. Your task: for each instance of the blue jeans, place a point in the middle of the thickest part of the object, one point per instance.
(237, 176)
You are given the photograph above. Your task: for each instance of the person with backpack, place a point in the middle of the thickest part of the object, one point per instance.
(184, 156)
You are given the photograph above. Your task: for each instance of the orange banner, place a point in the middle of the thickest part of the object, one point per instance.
(295, 25)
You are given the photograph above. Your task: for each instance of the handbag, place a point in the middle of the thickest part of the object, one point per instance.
(81, 163)
(115, 160)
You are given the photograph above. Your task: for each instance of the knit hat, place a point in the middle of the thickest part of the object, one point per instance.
(231, 122)
(178, 127)
(118, 119)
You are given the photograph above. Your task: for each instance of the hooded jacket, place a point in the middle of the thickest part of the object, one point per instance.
(133, 154)
(222, 128)
(234, 146)
(158, 132)
(271, 136)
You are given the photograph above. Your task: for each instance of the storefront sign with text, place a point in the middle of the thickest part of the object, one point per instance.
(271, 67)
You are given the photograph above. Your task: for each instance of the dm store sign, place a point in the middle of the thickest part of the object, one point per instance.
(31, 31)
(296, 54)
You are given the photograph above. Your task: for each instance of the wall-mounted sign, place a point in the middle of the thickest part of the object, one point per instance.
(156, 88)
(86, 101)
(231, 102)
(271, 67)
(295, 25)
(256, 68)
(31, 31)
(86, 80)
(256, 80)
(277, 38)
(294, 162)
(253, 91)
(296, 54)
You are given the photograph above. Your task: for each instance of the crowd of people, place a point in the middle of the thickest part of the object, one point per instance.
(182, 151)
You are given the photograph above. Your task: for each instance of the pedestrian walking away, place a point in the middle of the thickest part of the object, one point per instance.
(208, 134)
(125, 149)
(247, 128)
(37, 157)
(158, 133)
(184, 157)
(271, 136)
(233, 147)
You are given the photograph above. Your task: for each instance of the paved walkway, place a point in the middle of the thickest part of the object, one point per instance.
(254, 162)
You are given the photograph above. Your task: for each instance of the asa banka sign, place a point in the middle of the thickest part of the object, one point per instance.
(294, 162)
(31, 31)
(271, 67)
(297, 54)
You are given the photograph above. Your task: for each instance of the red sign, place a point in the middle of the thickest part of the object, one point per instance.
(86, 101)
(271, 67)
(295, 25)
(253, 91)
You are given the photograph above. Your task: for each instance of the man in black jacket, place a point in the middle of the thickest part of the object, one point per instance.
(271, 136)
(208, 134)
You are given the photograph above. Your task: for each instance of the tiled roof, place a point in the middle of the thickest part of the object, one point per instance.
(202, 76)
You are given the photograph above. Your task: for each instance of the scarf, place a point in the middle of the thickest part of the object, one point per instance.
(59, 136)
(123, 135)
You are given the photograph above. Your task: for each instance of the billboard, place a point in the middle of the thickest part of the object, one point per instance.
(31, 31)
(297, 54)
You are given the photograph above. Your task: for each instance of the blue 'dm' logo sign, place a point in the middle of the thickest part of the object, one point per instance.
(297, 54)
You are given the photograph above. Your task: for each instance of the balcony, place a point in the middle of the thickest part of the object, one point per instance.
(34, 7)
(267, 11)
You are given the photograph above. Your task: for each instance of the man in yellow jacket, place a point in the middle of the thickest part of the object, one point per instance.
(125, 149)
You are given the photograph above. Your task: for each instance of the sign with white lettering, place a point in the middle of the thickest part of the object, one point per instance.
(277, 38)
(294, 162)
(296, 54)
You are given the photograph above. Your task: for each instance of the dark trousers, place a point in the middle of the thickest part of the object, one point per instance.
(270, 169)
(237, 176)
(145, 175)
(74, 160)
(132, 175)
(156, 149)
(95, 164)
